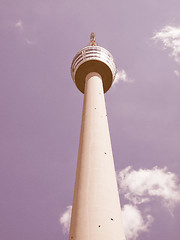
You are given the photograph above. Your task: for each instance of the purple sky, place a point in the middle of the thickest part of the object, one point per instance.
(41, 109)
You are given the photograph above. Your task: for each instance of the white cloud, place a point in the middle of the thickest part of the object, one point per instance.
(134, 223)
(121, 75)
(142, 185)
(23, 30)
(29, 42)
(138, 187)
(170, 38)
(19, 24)
(177, 73)
(65, 219)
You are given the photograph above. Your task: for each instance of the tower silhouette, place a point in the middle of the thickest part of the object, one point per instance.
(96, 211)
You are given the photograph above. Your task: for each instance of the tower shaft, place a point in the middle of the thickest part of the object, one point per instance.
(96, 212)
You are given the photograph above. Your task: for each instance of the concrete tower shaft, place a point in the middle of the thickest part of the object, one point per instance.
(96, 211)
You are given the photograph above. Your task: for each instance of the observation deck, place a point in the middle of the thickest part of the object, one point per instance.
(93, 58)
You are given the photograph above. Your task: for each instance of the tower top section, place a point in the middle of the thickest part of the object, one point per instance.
(93, 58)
(93, 40)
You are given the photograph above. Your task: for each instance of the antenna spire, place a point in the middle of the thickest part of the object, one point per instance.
(93, 40)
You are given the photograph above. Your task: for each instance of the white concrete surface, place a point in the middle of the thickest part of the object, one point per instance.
(96, 212)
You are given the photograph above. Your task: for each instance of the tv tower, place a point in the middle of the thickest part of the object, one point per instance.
(96, 211)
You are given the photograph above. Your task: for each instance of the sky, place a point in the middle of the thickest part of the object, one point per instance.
(40, 113)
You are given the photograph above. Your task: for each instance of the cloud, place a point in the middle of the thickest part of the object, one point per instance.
(65, 220)
(177, 73)
(170, 38)
(143, 185)
(19, 24)
(134, 223)
(23, 31)
(29, 42)
(139, 186)
(121, 75)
